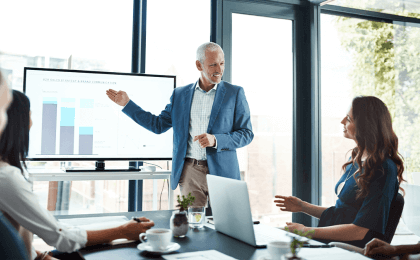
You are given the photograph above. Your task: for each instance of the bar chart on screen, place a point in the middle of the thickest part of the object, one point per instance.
(67, 127)
(74, 118)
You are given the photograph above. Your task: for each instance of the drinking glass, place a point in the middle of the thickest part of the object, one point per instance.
(196, 217)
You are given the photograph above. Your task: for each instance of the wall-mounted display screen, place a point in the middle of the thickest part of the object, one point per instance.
(73, 118)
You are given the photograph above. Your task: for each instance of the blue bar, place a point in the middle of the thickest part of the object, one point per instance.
(68, 100)
(85, 130)
(86, 103)
(49, 100)
(67, 116)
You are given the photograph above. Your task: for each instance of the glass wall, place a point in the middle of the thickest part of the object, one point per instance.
(262, 63)
(398, 7)
(358, 57)
(175, 29)
(86, 35)
(361, 57)
(51, 34)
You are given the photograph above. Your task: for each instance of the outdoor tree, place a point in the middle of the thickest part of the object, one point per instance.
(386, 64)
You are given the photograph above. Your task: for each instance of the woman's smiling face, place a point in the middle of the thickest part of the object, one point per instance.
(349, 126)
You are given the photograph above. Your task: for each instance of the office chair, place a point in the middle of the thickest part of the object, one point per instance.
(11, 244)
(395, 212)
(397, 206)
(411, 212)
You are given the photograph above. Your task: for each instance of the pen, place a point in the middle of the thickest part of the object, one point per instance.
(317, 246)
(137, 220)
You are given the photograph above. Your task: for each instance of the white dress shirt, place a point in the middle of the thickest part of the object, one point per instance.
(19, 202)
(202, 103)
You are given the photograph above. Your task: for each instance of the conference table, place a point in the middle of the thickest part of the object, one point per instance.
(198, 240)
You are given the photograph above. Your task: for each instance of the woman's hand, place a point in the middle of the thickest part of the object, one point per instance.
(132, 229)
(288, 203)
(295, 226)
(379, 248)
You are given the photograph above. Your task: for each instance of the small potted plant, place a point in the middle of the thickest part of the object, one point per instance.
(179, 220)
(296, 244)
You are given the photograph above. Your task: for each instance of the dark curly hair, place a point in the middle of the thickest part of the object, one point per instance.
(374, 134)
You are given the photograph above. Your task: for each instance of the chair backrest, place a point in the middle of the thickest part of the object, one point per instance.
(395, 212)
(11, 244)
(416, 178)
(411, 212)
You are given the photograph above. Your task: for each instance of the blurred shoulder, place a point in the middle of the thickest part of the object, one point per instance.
(7, 168)
(10, 174)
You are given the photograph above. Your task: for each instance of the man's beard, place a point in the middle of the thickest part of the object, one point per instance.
(209, 79)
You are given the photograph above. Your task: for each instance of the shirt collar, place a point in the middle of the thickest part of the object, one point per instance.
(197, 86)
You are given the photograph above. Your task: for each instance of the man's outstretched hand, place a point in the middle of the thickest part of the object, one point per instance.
(120, 97)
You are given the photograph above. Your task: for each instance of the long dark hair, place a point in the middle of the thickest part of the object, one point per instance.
(375, 135)
(14, 142)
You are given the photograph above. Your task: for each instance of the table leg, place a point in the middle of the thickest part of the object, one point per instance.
(170, 195)
(155, 194)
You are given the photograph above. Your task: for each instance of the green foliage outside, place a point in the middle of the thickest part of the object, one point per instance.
(386, 64)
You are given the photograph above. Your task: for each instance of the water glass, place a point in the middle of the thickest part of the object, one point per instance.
(196, 216)
(277, 249)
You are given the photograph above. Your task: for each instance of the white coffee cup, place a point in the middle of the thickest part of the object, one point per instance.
(158, 238)
(278, 248)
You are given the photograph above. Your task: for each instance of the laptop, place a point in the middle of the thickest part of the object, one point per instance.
(232, 213)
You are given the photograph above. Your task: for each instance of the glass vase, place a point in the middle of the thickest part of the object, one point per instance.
(179, 223)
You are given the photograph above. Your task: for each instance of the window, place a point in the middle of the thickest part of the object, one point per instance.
(263, 65)
(361, 57)
(171, 50)
(398, 7)
(171, 45)
(86, 35)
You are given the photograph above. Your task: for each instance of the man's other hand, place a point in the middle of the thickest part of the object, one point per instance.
(205, 140)
(120, 97)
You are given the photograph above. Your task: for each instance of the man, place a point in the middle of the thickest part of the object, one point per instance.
(210, 119)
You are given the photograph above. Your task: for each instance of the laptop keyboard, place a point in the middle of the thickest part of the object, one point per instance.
(262, 237)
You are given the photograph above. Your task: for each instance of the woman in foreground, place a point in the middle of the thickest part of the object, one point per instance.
(364, 193)
(20, 205)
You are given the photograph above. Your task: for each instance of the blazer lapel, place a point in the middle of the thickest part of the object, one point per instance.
(217, 104)
(188, 94)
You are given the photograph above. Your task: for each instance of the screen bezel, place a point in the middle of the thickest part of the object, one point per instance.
(97, 72)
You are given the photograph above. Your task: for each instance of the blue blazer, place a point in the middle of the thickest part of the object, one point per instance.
(230, 123)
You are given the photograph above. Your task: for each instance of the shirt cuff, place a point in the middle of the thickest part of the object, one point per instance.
(215, 145)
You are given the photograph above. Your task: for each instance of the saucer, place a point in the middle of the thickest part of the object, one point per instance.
(268, 257)
(147, 247)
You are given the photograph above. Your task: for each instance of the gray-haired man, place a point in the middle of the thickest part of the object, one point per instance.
(210, 119)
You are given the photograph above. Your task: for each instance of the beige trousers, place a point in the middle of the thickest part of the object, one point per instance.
(193, 179)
